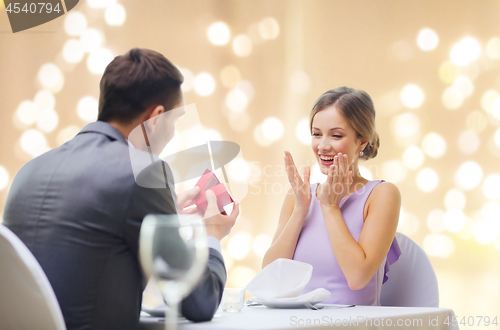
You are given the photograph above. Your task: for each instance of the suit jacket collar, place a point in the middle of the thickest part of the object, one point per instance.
(104, 128)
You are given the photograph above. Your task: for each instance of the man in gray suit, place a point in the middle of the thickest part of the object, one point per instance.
(79, 209)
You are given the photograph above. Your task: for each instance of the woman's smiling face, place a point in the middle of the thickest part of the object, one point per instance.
(333, 134)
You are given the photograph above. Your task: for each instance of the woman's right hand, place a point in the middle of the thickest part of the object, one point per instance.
(301, 188)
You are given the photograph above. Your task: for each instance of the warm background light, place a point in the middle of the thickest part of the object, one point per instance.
(254, 70)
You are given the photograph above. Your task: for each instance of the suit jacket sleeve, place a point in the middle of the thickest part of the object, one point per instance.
(204, 300)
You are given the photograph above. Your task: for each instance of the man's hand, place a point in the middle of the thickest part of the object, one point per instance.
(219, 225)
(185, 199)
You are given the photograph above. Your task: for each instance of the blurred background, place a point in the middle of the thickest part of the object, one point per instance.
(254, 69)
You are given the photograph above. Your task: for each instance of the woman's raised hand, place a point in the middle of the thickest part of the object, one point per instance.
(338, 182)
(301, 188)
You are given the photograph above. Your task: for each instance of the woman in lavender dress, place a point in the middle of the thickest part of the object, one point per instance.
(344, 227)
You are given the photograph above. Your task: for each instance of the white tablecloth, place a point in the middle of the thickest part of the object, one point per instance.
(359, 317)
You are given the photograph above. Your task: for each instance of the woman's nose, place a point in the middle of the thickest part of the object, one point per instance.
(323, 145)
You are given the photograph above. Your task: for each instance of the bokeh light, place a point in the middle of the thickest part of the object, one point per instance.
(75, 23)
(484, 232)
(413, 157)
(247, 88)
(491, 187)
(452, 98)
(427, 39)
(4, 178)
(33, 142)
(408, 223)
(188, 82)
(48, 120)
(435, 221)
(434, 145)
(67, 134)
(238, 245)
(72, 51)
(477, 121)
(488, 98)
(236, 100)
(302, 131)
(269, 28)
(394, 171)
(493, 48)
(496, 138)
(87, 109)
(454, 220)
(261, 244)
(242, 45)
(204, 84)
(467, 232)
(468, 142)
(230, 75)
(468, 175)
(427, 179)
(27, 112)
(406, 127)
(465, 51)
(212, 135)
(455, 199)
(273, 129)
(448, 72)
(91, 40)
(50, 76)
(464, 85)
(259, 137)
(238, 170)
(240, 276)
(98, 60)
(218, 33)
(115, 15)
(412, 96)
(439, 245)
(45, 99)
(495, 109)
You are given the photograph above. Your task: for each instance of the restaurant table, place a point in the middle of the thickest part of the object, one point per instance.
(358, 317)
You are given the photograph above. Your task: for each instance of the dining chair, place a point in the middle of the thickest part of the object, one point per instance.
(28, 301)
(412, 281)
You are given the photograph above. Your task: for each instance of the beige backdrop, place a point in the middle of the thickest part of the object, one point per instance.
(437, 101)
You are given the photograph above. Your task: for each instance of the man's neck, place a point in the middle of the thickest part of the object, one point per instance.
(123, 129)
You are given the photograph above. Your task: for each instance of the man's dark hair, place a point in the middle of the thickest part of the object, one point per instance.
(136, 81)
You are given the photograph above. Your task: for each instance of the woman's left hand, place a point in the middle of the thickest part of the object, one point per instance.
(338, 182)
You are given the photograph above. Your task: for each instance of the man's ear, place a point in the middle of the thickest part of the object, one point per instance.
(152, 117)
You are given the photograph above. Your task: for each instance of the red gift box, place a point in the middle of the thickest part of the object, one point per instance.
(209, 181)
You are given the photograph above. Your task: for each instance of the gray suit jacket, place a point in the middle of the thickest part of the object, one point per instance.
(79, 211)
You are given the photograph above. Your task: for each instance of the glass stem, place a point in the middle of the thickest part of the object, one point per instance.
(172, 298)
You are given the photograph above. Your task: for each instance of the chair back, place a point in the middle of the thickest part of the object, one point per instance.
(412, 281)
(27, 299)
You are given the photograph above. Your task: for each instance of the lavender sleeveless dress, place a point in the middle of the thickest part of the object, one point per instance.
(313, 247)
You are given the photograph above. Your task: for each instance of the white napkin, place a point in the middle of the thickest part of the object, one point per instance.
(284, 280)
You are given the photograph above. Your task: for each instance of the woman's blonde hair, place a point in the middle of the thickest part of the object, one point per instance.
(357, 107)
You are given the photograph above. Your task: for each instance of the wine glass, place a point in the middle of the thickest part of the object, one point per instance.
(173, 249)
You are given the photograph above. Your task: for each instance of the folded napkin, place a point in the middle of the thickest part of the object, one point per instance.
(284, 280)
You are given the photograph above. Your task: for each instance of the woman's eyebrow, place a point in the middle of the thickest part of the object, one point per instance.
(331, 129)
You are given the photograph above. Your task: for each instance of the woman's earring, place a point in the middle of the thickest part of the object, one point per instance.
(361, 154)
